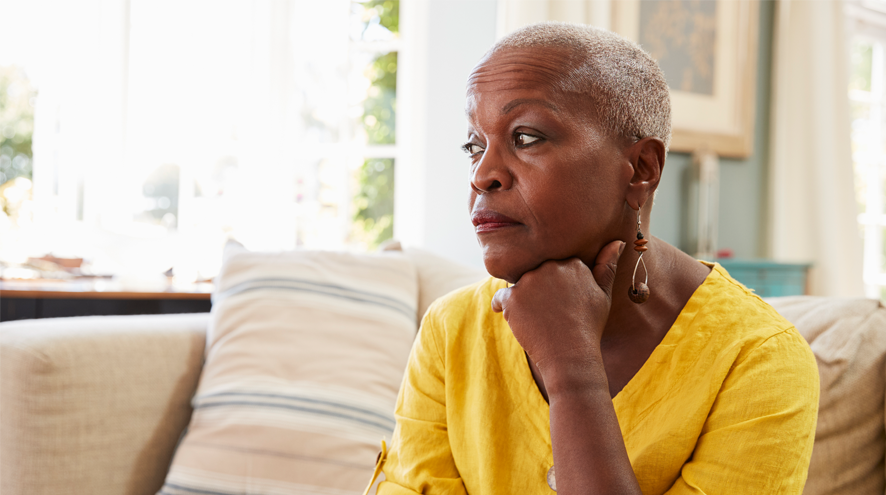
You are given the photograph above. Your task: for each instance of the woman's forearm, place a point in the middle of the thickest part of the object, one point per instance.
(589, 451)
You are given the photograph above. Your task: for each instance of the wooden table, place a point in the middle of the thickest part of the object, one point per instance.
(27, 299)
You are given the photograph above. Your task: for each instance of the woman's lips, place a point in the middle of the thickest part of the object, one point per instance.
(489, 221)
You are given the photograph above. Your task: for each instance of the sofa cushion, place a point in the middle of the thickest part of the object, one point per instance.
(848, 338)
(438, 276)
(95, 404)
(305, 353)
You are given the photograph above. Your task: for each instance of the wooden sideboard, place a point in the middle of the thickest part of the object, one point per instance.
(769, 278)
(25, 299)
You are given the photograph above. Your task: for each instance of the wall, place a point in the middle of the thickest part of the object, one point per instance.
(742, 226)
(448, 38)
(431, 207)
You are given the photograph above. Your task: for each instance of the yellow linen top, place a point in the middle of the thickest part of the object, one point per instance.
(727, 403)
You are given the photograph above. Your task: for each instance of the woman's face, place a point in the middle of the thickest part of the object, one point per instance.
(546, 181)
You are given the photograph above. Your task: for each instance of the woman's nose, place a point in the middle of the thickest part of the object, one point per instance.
(491, 174)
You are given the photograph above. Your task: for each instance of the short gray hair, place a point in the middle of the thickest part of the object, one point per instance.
(625, 84)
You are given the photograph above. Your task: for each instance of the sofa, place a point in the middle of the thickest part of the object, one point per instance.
(98, 405)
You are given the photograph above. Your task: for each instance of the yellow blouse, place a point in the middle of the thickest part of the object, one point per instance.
(727, 403)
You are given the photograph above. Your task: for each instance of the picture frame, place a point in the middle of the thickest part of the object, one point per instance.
(708, 51)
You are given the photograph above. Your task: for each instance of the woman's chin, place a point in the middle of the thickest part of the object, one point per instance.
(507, 268)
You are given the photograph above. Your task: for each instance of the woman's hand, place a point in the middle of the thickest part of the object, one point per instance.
(558, 310)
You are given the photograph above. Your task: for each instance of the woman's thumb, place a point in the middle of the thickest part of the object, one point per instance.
(605, 265)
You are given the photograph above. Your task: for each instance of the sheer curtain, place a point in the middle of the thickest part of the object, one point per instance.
(811, 193)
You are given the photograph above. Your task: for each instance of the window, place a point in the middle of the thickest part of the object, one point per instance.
(376, 37)
(17, 98)
(867, 88)
(162, 129)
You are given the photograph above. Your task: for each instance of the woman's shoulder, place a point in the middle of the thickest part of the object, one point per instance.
(730, 301)
(464, 310)
(736, 319)
(727, 340)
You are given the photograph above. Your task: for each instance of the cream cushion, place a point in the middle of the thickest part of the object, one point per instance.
(305, 354)
(95, 404)
(438, 276)
(848, 338)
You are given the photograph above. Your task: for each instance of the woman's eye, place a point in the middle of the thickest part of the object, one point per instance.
(522, 139)
(471, 148)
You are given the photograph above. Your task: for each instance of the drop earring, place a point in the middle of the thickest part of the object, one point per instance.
(639, 291)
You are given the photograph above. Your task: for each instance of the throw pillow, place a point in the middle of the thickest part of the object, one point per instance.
(305, 353)
(437, 276)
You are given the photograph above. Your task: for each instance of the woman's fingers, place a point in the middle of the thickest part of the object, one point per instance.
(605, 265)
(499, 299)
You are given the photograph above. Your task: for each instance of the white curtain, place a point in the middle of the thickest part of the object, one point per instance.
(813, 216)
(514, 14)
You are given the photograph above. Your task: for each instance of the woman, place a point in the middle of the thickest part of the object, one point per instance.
(563, 371)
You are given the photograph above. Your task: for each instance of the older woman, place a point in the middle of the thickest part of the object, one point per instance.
(580, 366)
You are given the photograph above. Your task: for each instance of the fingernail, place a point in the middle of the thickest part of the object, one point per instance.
(622, 248)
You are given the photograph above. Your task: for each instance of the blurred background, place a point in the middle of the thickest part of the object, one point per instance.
(139, 136)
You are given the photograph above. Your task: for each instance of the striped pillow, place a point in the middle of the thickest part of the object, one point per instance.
(305, 353)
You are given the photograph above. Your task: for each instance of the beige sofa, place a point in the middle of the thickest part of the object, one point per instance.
(97, 404)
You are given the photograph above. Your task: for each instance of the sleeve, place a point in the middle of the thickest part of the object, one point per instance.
(759, 433)
(420, 459)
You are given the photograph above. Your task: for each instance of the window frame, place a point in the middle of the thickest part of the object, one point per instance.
(866, 20)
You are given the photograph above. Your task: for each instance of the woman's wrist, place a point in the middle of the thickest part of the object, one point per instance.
(579, 372)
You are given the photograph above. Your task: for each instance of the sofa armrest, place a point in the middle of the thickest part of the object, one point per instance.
(95, 404)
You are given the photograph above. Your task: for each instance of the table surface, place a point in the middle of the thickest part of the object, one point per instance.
(101, 289)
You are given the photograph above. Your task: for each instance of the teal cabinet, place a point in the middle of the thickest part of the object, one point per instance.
(769, 278)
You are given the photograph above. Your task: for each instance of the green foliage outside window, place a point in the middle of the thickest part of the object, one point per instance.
(380, 107)
(385, 13)
(374, 218)
(17, 97)
(374, 201)
(388, 12)
(861, 57)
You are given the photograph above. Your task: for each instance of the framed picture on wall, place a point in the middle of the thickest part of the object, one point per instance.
(708, 52)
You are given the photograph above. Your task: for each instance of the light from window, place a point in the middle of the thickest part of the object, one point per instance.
(164, 128)
(866, 92)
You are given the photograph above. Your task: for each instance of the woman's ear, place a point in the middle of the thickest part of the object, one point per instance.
(647, 156)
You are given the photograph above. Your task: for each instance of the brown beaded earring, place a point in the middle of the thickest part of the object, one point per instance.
(639, 291)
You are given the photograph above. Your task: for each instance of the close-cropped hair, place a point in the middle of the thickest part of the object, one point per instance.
(625, 84)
